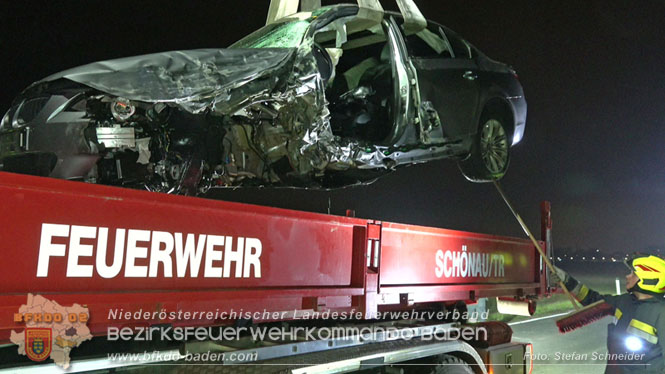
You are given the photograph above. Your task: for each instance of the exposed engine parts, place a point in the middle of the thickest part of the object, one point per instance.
(161, 148)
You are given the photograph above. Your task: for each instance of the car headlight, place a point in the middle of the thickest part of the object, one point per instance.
(122, 109)
(633, 343)
(28, 110)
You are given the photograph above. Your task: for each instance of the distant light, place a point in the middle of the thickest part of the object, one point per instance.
(597, 250)
(583, 258)
(603, 258)
(593, 258)
(633, 343)
(571, 258)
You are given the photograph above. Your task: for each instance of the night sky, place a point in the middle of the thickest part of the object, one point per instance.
(593, 73)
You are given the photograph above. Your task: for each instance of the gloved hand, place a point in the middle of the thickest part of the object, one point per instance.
(558, 275)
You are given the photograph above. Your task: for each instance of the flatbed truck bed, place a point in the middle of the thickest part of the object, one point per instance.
(118, 251)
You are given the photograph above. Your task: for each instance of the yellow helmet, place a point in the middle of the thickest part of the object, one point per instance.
(651, 271)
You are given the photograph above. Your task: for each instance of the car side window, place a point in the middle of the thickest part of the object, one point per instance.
(460, 48)
(427, 43)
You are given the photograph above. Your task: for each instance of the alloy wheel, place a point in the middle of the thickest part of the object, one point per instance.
(494, 146)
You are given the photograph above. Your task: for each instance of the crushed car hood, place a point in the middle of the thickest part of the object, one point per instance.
(193, 80)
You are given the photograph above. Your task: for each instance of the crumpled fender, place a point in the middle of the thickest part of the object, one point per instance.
(194, 80)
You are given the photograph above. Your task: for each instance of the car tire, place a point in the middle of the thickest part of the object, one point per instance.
(490, 151)
(448, 364)
(440, 364)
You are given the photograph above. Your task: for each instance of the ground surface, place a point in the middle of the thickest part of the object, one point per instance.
(579, 351)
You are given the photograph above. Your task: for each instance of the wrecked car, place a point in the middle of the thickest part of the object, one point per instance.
(324, 98)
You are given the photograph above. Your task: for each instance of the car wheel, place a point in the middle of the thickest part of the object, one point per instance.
(441, 364)
(490, 152)
(448, 364)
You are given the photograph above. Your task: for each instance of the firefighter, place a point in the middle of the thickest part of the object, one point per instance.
(636, 339)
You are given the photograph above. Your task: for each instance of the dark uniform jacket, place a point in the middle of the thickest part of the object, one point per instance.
(644, 319)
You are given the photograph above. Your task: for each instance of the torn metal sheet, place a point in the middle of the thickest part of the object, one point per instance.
(196, 80)
(429, 124)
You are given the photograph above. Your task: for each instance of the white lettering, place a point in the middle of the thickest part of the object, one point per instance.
(231, 256)
(456, 260)
(253, 251)
(439, 264)
(472, 264)
(76, 250)
(464, 263)
(47, 248)
(146, 252)
(213, 255)
(486, 265)
(103, 270)
(447, 259)
(158, 255)
(135, 252)
(467, 264)
(189, 255)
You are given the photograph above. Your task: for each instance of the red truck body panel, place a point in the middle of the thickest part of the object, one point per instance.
(62, 240)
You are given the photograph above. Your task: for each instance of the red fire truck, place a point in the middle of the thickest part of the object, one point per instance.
(117, 251)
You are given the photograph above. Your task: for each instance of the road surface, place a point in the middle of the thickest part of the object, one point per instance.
(579, 351)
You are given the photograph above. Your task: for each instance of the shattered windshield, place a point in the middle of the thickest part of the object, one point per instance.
(287, 34)
(276, 35)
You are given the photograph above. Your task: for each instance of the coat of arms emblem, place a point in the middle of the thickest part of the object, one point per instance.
(38, 343)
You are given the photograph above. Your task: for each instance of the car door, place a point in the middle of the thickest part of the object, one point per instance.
(447, 79)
